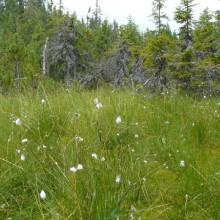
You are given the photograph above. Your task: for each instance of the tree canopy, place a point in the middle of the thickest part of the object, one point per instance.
(39, 40)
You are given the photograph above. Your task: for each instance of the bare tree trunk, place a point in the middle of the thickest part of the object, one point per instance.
(44, 58)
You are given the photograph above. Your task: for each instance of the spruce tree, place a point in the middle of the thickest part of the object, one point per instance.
(158, 14)
(11, 41)
(130, 32)
(184, 16)
(217, 21)
(97, 13)
(204, 34)
(158, 53)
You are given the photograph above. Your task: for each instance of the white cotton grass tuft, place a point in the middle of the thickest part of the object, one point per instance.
(25, 140)
(43, 101)
(118, 179)
(94, 155)
(18, 151)
(163, 140)
(133, 209)
(103, 159)
(118, 120)
(17, 122)
(79, 139)
(182, 163)
(75, 169)
(79, 167)
(136, 136)
(23, 157)
(96, 101)
(43, 195)
(99, 105)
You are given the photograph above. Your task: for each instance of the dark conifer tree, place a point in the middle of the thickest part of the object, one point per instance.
(158, 15)
(184, 16)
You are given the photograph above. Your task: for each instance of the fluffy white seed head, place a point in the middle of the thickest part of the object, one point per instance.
(25, 140)
(182, 163)
(79, 139)
(73, 169)
(23, 157)
(163, 140)
(94, 156)
(18, 122)
(43, 195)
(79, 167)
(118, 120)
(118, 179)
(103, 159)
(99, 105)
(96, 101)
(18, 151)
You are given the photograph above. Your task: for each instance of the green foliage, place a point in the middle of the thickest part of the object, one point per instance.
(130, 33)
(204, 34)
(159, 51)
(184, 16)
(102, 39)
(79, 50)
(184, 72)
(217, 21)
(187, 57)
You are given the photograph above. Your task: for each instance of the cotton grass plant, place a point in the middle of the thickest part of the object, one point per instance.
(131, 157)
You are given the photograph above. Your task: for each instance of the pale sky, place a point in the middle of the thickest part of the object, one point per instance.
(138, 9)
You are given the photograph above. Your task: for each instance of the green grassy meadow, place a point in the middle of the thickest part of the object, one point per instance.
(62, 157)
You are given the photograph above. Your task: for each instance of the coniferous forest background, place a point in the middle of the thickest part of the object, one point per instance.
(40, 42)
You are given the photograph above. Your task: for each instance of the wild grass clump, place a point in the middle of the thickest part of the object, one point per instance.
(64, 156)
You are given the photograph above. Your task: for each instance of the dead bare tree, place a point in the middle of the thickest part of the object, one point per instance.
(63, 54)
(44, 58)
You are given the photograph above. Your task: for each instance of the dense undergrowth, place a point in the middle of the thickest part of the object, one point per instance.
(64, 156)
